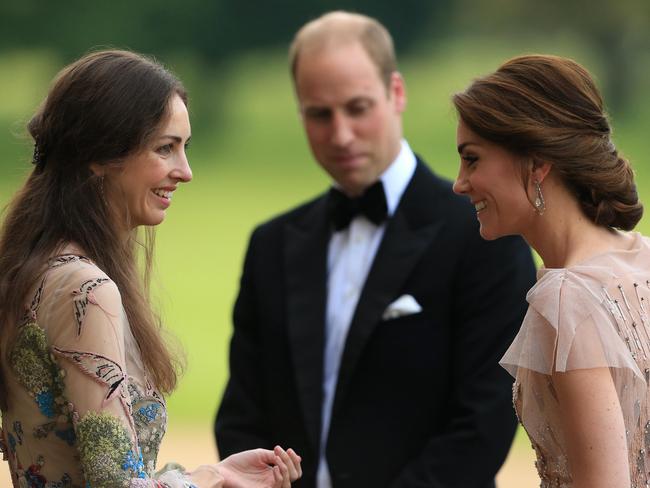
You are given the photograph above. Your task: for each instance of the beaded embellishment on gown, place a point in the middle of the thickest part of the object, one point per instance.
(591, 315)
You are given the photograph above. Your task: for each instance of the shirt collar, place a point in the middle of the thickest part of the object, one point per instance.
(396, 177)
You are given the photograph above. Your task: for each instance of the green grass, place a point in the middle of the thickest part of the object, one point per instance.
(256, 163)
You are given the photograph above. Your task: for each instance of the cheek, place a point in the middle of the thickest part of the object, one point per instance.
(517, 206)
(315, 134)
(372, 127)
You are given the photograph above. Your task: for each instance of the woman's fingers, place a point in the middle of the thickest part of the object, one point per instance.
(296, 463)
(291, 462)
(284, 470)
(278, 480)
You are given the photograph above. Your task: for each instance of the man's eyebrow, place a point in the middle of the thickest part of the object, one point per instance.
(316, 109)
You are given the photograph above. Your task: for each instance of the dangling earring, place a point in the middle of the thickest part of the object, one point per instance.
(539, 203)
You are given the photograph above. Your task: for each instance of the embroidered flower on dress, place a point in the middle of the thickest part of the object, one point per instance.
(36, 370)
(106, 451)
(149, 412)
(67, 435)
(12, 442)
(104, 448)
(150, 420)
(136, 465)
(45, 401)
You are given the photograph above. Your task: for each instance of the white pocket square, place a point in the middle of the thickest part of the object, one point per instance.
(404, 305)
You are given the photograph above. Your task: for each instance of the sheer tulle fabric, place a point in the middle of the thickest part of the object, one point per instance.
(82, 410)
(592, 315)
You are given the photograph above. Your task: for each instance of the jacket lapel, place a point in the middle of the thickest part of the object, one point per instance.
(404, 242)
(306, 243)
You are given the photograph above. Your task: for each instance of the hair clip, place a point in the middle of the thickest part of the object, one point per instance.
(38, 158)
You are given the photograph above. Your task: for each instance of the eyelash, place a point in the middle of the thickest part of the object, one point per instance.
(168, 148)
(164, 150)
(358, 109)
(470, 160)
(319, 116)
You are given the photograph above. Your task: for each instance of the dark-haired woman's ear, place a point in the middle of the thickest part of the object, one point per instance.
(98, 169)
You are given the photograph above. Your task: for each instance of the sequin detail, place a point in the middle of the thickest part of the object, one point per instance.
(601, 313)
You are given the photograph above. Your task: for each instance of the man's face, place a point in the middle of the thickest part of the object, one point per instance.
(352, 120)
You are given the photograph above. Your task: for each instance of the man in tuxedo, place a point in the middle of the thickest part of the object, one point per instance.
(370, 320)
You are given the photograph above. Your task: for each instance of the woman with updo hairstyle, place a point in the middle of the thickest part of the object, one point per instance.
(83, 365)
(537, 159)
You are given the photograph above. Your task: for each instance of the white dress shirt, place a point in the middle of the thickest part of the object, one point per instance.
(351, 252)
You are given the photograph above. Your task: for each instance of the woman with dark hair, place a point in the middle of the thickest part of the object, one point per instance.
(83, 366)
(537, 159)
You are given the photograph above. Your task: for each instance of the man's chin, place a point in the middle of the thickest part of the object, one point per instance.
(353, 188)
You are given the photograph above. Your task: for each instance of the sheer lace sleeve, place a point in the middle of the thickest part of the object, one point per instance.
(86, 329)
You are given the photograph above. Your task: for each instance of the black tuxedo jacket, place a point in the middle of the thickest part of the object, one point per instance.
(421, 400)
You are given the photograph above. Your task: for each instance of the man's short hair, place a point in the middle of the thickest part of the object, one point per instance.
(341, 28)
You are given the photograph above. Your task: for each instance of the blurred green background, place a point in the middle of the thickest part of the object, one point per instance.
(249, 155)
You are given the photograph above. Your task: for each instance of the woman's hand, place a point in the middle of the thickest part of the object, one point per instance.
(207, 476)
(261, 468)
(291, 460)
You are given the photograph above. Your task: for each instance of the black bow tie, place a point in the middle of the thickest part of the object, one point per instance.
(372, 204)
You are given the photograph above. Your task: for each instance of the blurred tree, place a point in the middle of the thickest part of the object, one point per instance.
(214, 29)
(209, 32)
(618, 31)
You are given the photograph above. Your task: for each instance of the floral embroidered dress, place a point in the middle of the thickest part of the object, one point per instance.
(591, 315)
(82, 412)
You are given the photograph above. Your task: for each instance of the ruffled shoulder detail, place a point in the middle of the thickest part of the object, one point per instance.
(573, 323)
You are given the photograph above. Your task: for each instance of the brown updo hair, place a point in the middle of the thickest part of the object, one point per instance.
(547, 108)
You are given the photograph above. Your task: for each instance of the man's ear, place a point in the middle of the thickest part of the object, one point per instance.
(398, 91)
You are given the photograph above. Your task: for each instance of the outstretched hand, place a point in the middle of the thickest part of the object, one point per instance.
(261, 468)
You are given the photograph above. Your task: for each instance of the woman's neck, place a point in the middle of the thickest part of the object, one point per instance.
(565, 236)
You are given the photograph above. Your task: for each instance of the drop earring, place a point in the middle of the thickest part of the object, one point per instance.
(539, 203)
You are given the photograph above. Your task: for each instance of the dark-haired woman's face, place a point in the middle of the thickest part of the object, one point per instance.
(150, 177)
(491, 176)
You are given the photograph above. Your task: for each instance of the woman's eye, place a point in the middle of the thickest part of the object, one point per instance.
(164, 150)
(470, 160)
